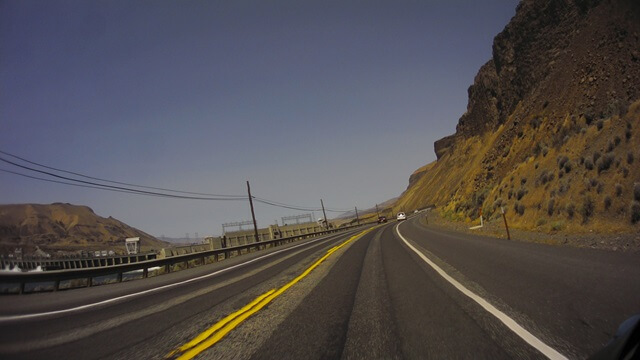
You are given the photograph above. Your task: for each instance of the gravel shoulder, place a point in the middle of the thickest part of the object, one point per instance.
(496, 228)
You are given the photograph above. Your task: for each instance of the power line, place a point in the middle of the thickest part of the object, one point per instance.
(94, 185)
(293, 207)
(117, 182)
(141, 192)
(68, 183)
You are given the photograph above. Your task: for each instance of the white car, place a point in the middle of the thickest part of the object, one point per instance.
(401, 216)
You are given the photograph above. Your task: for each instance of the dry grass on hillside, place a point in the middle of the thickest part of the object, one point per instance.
(578, 175)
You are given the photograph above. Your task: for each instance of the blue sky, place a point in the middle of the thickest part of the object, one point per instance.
(339, 100)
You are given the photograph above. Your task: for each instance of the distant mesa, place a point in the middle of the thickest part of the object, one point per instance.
(65, 227)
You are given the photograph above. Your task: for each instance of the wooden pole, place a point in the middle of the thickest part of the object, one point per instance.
(357, 217)
(325, 215)
(253, 214)
(505, 222)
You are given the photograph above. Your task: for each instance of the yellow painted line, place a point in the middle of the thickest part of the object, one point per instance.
(198, 339)
(215, 333)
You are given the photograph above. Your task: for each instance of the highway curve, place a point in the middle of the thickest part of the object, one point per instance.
(407, 291)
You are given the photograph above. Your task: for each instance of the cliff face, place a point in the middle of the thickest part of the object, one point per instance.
(561, 83)
(557, 57)
(65, 227)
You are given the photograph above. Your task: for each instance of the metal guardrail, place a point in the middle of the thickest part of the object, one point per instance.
(74, 262)
(57, 276)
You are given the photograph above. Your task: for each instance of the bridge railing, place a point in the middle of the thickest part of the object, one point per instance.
(55, 277)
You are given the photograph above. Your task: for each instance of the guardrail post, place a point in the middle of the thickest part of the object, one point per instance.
(119, 277)
(89, 281)
(21, 290)
(145, 272)
(56, 285)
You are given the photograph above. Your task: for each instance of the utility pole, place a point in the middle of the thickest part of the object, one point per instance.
(253, 214)
(325, 215)
(357, 217)
(377, 213)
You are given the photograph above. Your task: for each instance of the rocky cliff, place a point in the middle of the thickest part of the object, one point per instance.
(563, 83)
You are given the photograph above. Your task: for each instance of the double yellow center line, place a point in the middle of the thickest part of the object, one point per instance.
(215, 333)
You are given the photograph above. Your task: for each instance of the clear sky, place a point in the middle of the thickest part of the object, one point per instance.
(339, 100)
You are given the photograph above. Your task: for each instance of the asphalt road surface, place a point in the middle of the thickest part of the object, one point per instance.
(400, 290)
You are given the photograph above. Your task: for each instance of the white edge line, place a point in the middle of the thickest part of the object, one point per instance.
(545, 349)
(107, 301)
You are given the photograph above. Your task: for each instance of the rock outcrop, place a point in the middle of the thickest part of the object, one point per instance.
(559, 69)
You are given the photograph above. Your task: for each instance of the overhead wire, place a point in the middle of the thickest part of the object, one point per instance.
(64, 182)
(116, 182)
(141, 192)
(89, 184)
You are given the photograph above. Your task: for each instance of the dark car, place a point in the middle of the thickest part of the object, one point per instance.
(382, 219)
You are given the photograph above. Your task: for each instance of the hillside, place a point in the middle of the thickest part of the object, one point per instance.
(65, 227)
(552, 127)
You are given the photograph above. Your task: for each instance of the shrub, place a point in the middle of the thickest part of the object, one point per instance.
(594, 182)
(560, 174)
(583, 131)
(586, 210)
(610, 146)
(618, 189)
(521, 193)
(537, 149)
(541, 222)
(519, 208)
(570, 209)
(497, 203)
(629, 158)
(568, 166)
(627, 135)
(550, 205)
(600, 188)
(561, 160)
(563, 187)
(634, 209)
(535, 122)
(523, 181)
(625, 172)
(545, 151)
(617, 140)
(536, 166)
(589, 116)
(636, 191)
(510, 194)
(588, 164)
(607, 202)
(557, 225)
(596, 156)
(600, 124)
(581, 160)
(604, 163)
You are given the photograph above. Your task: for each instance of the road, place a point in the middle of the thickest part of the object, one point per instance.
(403, 290)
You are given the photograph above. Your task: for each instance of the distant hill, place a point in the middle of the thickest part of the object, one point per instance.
(383, 207)
(552, 127)
(65, 227)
